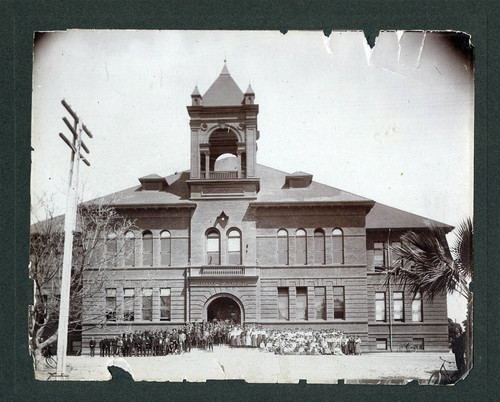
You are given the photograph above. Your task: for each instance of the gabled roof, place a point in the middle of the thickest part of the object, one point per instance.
(385, 217)
(176, 193)
(223, 92)
(273, 191)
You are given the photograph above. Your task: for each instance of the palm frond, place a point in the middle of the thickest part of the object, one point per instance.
(425, 263)
(462, 248)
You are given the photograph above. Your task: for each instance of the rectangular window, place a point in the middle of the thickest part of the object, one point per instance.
(129, 250)
(147, 249)
(393, 255)
(338, 247)
(320, 302)
(165, 304)
(381, 343)
(165, 251)
(283, 304)
(338, 303)
(128, 304)
(418, 343)
(379, 254)
(111, 250)
(416, 308)
(301, 304)
(283, 250)
(399, 313)
(319, 248)
(380, 306)
(147, 304)
(111, 304)
(234, 250)
(213, 251)
(300, 249)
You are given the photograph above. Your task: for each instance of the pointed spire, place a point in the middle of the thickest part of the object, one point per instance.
(224, 71)
(196, 98)
(224, 91)
(249, 90)
(196, 92)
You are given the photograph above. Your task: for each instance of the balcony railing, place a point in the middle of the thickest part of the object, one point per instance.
(222, 271)
(220, 175)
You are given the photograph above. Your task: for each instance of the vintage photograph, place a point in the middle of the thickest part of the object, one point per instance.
(252, 205)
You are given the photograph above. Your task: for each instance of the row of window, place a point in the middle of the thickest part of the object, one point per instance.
(213, 249)
(233, 247)
(302, 305)
(147, 248)
(129, 301)
(398, 307)
(319, 247)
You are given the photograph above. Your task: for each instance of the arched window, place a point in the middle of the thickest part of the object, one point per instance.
(147, 249)
(234, 247)
(129, 249)
(111, 248)
(319, 246)
(282, 247)
(213, 247)
(338, 246)
(165, 248)
(300, 247)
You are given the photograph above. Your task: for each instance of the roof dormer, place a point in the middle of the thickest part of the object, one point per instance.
(153, 182)
(298, 180)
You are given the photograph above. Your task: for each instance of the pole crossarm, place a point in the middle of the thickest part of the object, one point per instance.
(70, 111)
(75, 134)
(84, 160)
(87, 131)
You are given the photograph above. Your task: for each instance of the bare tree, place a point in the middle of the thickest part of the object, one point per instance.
(97, 246)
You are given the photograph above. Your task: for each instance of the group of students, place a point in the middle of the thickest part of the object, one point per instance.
(204, 335)
(297, 341)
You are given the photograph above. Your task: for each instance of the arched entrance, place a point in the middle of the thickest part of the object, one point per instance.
(224, 308)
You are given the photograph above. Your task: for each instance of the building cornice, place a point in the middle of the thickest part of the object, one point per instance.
(300, 204)
(156, 206)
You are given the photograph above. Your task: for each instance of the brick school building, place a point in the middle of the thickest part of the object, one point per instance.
(232, 239)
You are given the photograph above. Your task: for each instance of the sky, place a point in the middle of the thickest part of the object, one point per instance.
(393, 123)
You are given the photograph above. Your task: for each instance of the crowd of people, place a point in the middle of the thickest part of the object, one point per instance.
(204, 335)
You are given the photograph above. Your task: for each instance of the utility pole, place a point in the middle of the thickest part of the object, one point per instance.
(69, 227)
(389, 262)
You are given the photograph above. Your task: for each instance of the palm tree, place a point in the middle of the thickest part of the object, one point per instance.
(425, 263)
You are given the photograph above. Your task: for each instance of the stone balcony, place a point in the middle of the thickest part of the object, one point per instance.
(223, 273)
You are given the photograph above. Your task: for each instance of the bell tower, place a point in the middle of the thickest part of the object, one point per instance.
(224, 138)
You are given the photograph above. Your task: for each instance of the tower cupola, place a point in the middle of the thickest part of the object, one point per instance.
(223, 126)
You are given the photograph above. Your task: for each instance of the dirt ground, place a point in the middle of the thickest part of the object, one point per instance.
(258, 366)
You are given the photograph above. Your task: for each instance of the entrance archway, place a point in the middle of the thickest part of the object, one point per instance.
(224, 308)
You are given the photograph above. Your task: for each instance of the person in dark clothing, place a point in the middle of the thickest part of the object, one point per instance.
(101, 348)
(458, 348)
(92, 347)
